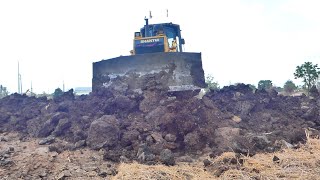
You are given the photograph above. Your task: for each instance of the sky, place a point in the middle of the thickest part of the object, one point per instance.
(56, 42)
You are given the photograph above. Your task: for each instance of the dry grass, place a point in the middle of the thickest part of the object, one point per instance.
(302, 163)
(144, 172)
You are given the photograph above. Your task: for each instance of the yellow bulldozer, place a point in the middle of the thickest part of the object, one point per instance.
(156, 48)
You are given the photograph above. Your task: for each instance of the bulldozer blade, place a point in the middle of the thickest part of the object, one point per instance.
(178, 71)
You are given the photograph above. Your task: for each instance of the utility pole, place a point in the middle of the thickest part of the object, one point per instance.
(19, 80)
(20, 84)
(31, 90)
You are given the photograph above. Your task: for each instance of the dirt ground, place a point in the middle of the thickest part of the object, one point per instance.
(26, 159)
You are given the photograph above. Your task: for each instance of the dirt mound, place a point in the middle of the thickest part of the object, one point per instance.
(151, 126)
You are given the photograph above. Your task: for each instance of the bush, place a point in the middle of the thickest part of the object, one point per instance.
(289, 87)
(212, 85)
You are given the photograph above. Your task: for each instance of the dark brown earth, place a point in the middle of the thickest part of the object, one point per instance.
(151, 126)
(26, 159)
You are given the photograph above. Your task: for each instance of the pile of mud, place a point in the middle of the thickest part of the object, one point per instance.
(151, 126)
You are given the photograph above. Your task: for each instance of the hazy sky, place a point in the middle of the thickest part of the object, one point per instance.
(240, 40)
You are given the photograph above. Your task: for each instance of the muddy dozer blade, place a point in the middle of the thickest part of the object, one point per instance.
(177, 71)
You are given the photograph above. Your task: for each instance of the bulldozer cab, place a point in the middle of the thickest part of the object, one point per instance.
(152, 38)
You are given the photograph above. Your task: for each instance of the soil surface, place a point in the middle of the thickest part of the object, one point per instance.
(79, 136)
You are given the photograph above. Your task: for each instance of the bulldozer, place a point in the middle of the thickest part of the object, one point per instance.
(157, 52)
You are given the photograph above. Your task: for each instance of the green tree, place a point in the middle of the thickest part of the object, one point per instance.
(289, 87)
(265, 84)
(212, 85)
(57, 93)
(309, 73)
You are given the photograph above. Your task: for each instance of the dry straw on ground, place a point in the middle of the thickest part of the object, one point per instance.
(143, 172)
(302, 163)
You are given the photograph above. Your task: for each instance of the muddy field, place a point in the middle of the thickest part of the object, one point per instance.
(150, 127)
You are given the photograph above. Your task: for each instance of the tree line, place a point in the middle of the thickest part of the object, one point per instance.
(308, 72)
